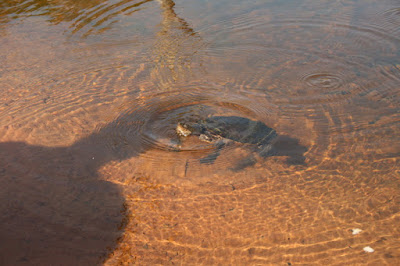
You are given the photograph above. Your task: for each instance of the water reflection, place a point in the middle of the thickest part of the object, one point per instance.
(176, 46)
(86, 17)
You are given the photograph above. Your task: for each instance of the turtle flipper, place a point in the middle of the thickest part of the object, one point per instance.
(210, 159)
(267, 150)
(285, 146)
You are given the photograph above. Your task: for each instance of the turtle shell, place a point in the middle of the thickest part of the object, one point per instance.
(220, 129)
(239, 129)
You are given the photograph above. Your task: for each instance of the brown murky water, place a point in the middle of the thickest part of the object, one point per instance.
(91, 168)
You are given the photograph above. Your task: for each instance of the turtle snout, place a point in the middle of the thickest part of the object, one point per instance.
(183, 130)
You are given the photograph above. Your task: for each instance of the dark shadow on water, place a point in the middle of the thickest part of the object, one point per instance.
(284, 146)
(54, 207)
(290, 148)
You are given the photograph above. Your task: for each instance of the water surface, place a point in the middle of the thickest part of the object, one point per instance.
(92, 170)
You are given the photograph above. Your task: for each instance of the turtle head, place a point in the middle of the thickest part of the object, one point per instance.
(185, 129)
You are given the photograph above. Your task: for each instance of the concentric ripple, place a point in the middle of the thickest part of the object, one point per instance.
(150, 124)
(323, 80)
(305, 61)
(390, 19)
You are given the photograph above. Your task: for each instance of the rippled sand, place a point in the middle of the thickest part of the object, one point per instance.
(91, 169)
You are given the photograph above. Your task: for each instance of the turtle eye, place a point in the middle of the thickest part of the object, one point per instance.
(186, 126)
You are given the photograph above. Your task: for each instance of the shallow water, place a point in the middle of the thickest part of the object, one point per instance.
(91, 168)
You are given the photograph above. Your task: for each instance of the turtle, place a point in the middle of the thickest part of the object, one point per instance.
(222, 130)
